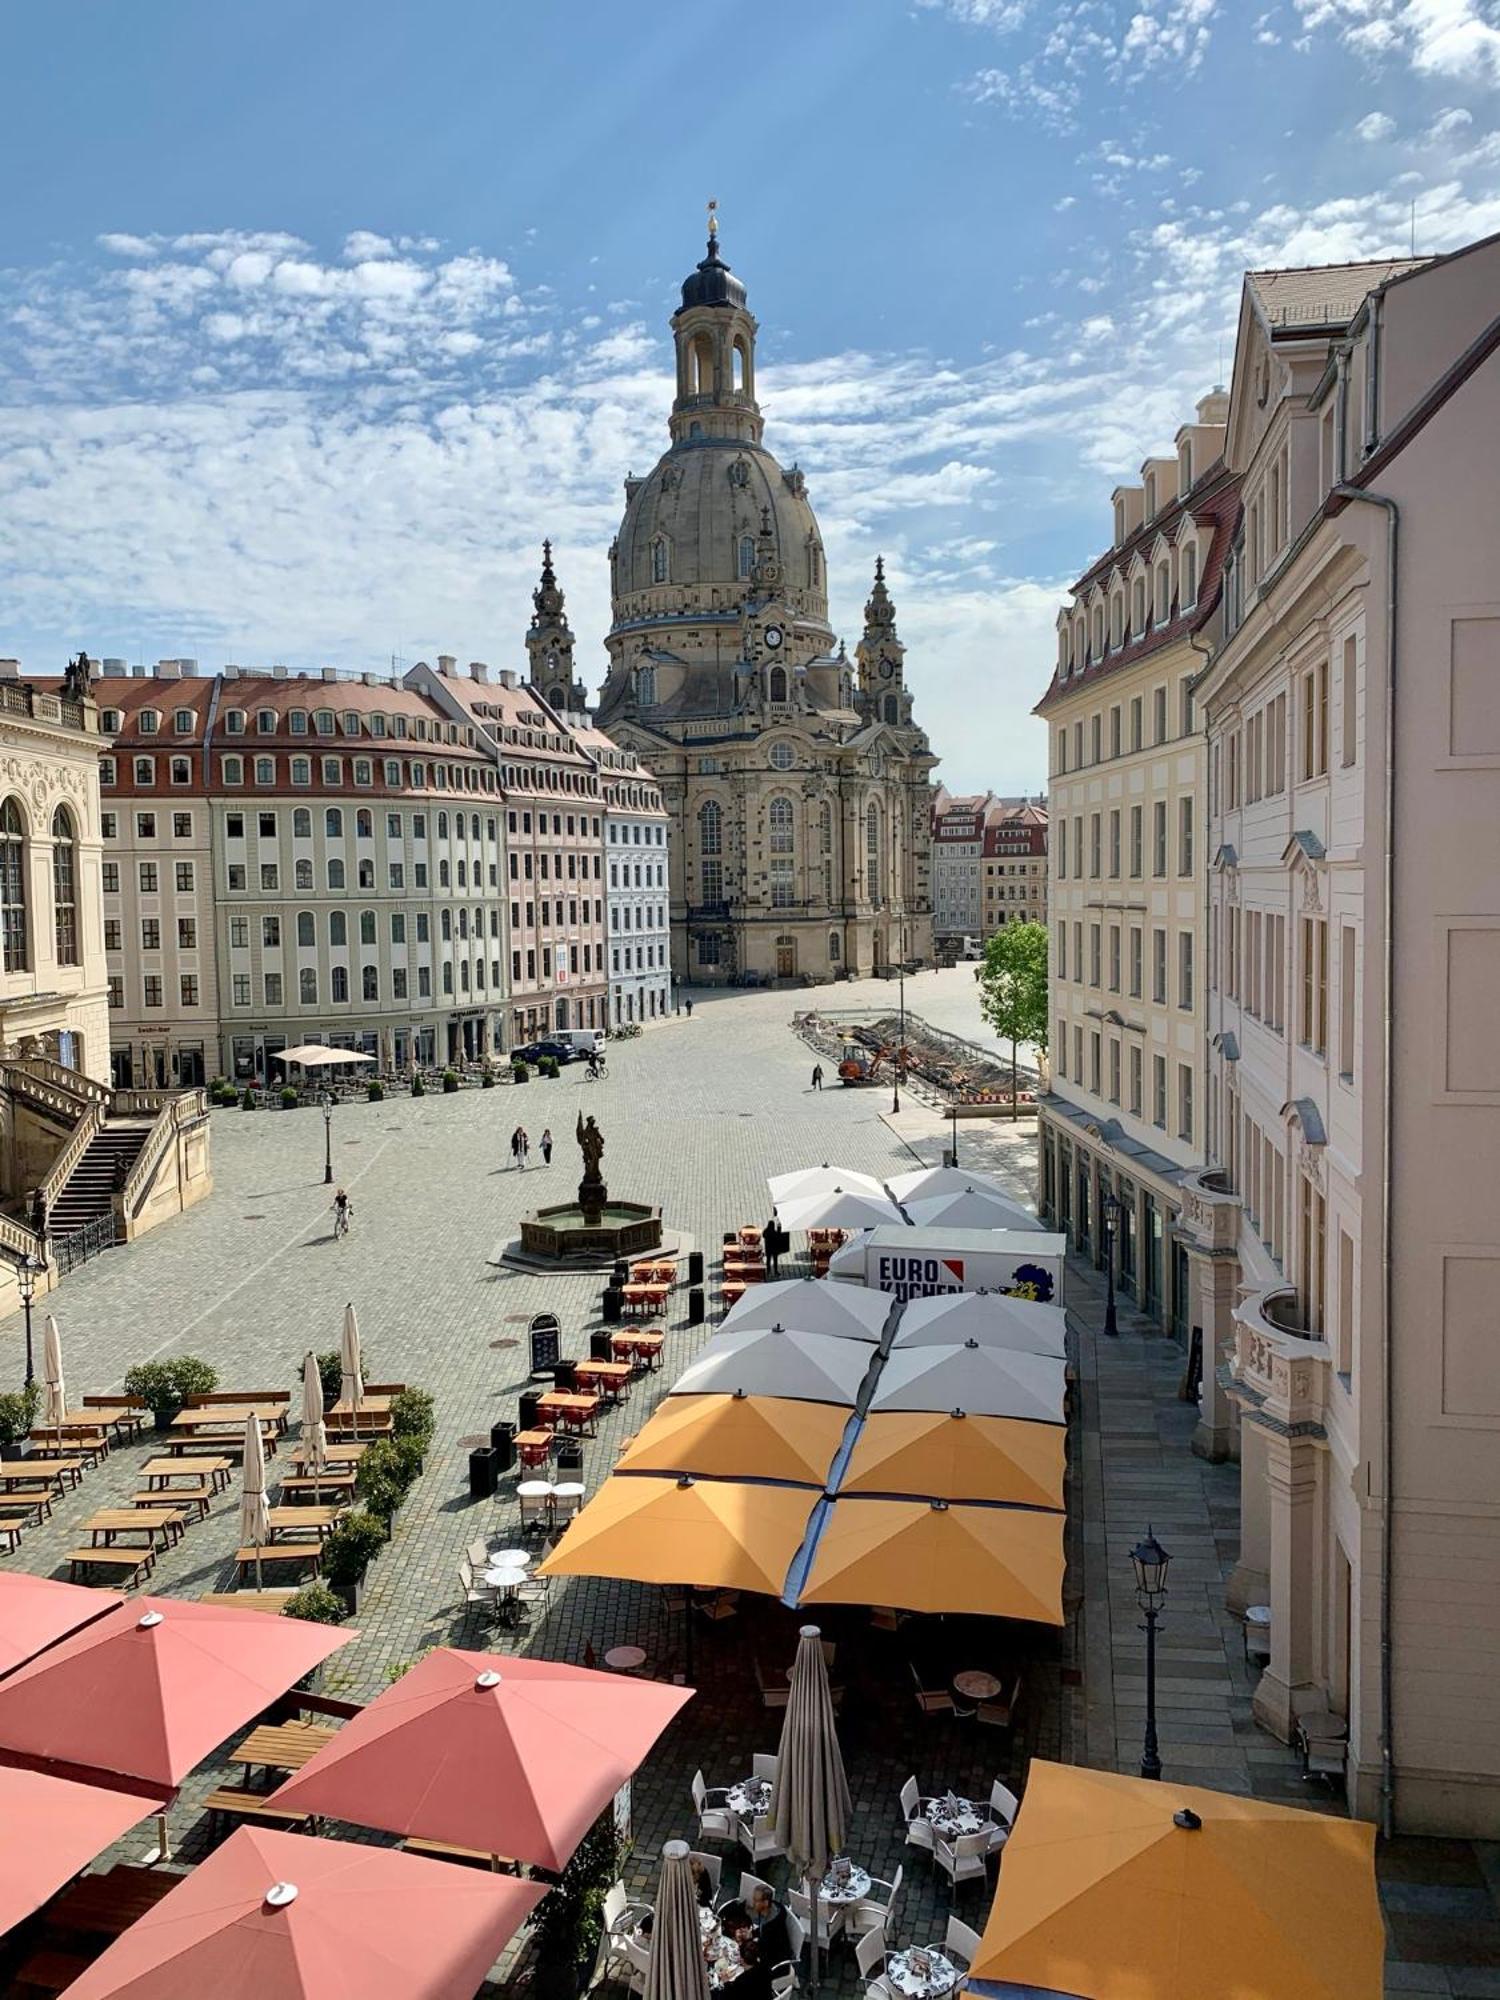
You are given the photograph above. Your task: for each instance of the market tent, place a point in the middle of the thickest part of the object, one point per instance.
(37, 1611)
(1115, 1887)
(994, 1319)
(930, 1555)
(499, 1754)
(285, 1917)
(739, 1437)
(969, 1208)
(811, 1305)
(819, 1180)
(837, 1208)
(53, 1827)
(924, 1182)
(935, 1455)
(710, 1533)
(777, 1361)
(985, 1381)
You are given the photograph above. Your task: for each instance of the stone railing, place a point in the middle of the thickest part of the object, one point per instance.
(45, 1070)
(178, 1110)
(55, 1101)
(83, 1135)
(24, 698)
(1279, 1372)
(1209, 1209)
(20, 1241)
(143, 1103)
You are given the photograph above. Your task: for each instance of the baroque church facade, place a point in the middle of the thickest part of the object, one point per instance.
(797, 784)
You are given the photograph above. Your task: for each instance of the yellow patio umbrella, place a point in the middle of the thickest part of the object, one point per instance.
(958, 1457)
(1119, 1888)
(711, 1533)
(739, 1437)
(927, 1555)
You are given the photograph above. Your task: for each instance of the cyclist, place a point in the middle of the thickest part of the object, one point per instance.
(343, 1213)
(596, 1066)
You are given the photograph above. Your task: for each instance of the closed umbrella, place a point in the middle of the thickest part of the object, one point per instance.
(56, 1404)
(314, 1436)
(810, 1800)
(255, 1512)
(675, 1970)
(351, 1380)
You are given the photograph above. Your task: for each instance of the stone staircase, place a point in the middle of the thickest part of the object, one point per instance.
(88, 1191)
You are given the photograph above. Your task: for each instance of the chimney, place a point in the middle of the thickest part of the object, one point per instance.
(138, 673)
(113, 670)
(370, 680)
(10, 670)
(478, 671)
(168, 670)
(446, 663)
(278, 672)
(189, 669)
(330, 673)
(231, 672)
(507, 678)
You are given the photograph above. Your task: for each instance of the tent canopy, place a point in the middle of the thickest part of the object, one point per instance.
(984, 1381)
(811, 1305)
(921, 1555)
(969, 1208)
(314, 1055)
(837, 1208)
(1102, 1892)
(994, 1319)
(711, 1533)
(820, 1180)
(778, 1361)
(933, 1455)
(739, 1437)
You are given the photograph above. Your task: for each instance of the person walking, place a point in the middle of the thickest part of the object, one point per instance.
(518, 1148)
(689, 1005)
(817, 1077)
(547, 1146)
(774, 1241)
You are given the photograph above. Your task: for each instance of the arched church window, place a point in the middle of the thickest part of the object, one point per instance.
(814, 567)
(558, 697)
(747, 554)
(892, 709)
(13, 886)
(782, 819)
(739, 366)
(872, 851)
(825, 828)
(778, 683)
(658, 561)
(710, 828)
(645, 687)
(833, 947)
(65, 887)
(703, 366)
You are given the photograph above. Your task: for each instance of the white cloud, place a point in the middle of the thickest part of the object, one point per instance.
(1374, 127)
(1449, 124)
(120, 244)
(361, 244)
(1446, 38)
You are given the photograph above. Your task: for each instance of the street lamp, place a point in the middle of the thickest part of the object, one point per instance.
(328, 1138)
(901, 1033)
(1110, 1206)
(26, 1284)
(953, 1115)
(1151, 1563)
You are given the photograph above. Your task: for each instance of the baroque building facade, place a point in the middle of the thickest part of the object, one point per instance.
(796, 782)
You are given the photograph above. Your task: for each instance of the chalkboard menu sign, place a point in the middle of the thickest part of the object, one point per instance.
(545, 1335)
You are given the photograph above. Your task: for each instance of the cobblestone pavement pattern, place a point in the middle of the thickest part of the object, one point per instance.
(696, 1114)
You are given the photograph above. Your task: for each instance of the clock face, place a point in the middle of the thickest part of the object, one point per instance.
(887, 668)
(773, 636)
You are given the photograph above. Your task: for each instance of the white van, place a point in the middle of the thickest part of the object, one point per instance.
(587, 1041)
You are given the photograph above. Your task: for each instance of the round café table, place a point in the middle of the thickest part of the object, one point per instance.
(625, 1659)
(974, 1685)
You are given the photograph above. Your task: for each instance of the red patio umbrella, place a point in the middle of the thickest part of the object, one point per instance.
(152, 1686)
(52, 1827)
(488, 1751)
(276, 1916)
(36, 1611)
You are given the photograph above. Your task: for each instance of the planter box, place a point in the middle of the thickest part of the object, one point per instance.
(348, 1595)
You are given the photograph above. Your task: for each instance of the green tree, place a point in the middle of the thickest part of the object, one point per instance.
(1013, 990)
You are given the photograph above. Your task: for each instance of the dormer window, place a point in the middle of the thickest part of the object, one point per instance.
(297, 721)
(234, 722)
(265, 721)
(182, 721)
(150, 721)
(109, 722)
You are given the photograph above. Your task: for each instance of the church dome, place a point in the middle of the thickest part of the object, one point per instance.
(713, 283)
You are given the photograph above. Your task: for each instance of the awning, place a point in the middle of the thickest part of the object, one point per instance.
(314, 1055)
(710, 1533)
(739, 1437)
(994, 1319)
(778, 1361)
(920, 1555)
(811, 1305)
(933, 1455)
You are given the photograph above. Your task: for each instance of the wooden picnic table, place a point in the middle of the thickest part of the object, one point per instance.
(281, 1746)
(197, 1497)
(612, 1377)
(149, 1521)
(298, 1489)
(368, 1404)
(333, 1454)
(131, 1564)
(272, 1600)
(277, 1555)
(293, 1521)
(162, 1471)
(89, 1442)
(569, 1411)
(230, 1417)
(104, 1905)
(358, 1424)
(24, 1475)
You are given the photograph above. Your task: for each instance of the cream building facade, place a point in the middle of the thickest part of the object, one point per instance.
(1123, 1117)
(1353, 1139)
(796, 782)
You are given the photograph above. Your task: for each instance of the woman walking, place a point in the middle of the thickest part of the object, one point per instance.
(520, 1145)
(547, 1146)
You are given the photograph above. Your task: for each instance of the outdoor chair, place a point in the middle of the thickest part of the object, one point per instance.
(621, 1917)
(749, 1884)
(911, 1798)
(869, 1956)
(763, 1766)
(796, 1931)
(758, 1838)
(965, 1859)
(874, 1911)
(715, 1822)
(477, 1596)
(533, 1513)
(1004, 1805)
(532, 1591)
(931, 1701)
(920, 1833)
(783, 1980)
(799, 1915)
(477, 1554)
(961, 1943)
(637, 1962)
(713, 1867)
(1001, 1714)
(772, 1694)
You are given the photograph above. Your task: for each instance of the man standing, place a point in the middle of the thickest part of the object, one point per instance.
(689, 1005)
(817, 1082)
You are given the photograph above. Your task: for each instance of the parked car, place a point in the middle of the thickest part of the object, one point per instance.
(534, 1051)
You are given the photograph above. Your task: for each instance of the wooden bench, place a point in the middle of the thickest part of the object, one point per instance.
(135, 1565)
(443, 1850)
(236, 1397)
(10, 1535)
(47, 1972)
(236, 1802)
(51, 1475)
(292, 1522)
(121, 1413)
(272, 1601)
(197, 1496)
(164, 1470)
(301, 1488)
(278, 1554)
(31, 1509)
(151, 1520)
(88, 1444)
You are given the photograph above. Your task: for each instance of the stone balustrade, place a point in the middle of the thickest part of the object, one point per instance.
(1279, 1372)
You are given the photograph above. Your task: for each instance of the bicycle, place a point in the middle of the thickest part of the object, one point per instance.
(342, 1217)
(598, 1072)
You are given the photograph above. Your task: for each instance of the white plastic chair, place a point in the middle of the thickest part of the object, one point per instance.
(965, 1859)
(874, 1911)
(783, 1980)
(637, 1958)
(533, 1513)
(1004, 1805)
(621, 1918)
(961, 1943)
(749, 1884)
(911, 1798)
(477, 1554)
(758, 1838)
(713, 1865)
(477, 1596)
(869, 1956)
(919, 1833)
(799, 1918)
(763, 1765)
(796, 1931)
(715, 1822)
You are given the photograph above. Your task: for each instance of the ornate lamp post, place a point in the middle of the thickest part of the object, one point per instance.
(1110, 1206)
(26, 1285)
(1151, 1562)
(901, 1032)
(328, 1138)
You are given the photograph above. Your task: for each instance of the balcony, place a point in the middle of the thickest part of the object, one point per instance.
(1210, 1210)
(1279, 1368)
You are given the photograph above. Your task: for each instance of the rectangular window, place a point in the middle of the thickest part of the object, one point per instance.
(1313, 1023)
(1159, 1091)
(1185, 835)
(1185, 969)
(184, 874)
(270, 933)
(270, 875)
(1312, 1248)
(1078, 951)
(1093, 954)
(189, 989)
(150, 934)
(1078, 1055)
(1184, 1101)
(110, 880)
(1062, 951)
(1114, 958)
(1136, 713)
(1114, 1071)
(1094, 846)
(112, 934)
(1348, 703)
(116, 990)
(1062, 850)
(1344, 1352)
(1114, 731)
(1137, 942)
(1346, 1002)
(1114, 843)
(145, 826)
(1315, 721)
(1159, 714)
(148, 877)
(151, 985)
(1135, 1081)
(236, 874)
(1137, 824)
(1094, 1053)
(1159, 838)
(242, 989)
(1159, 967)
(273, 989)
(187, 933)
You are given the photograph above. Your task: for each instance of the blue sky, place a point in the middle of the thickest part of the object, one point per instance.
(314, 319)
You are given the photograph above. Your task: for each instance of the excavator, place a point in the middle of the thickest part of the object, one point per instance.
(862, 1064)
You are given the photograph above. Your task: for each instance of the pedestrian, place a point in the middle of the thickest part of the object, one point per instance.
(689, 1005)
(547, 1146)
(817, 1082)
(517, 1139)
(525, 1146)
(771, 1237)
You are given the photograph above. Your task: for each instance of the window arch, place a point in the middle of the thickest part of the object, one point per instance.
(13, 886)
(645, 687)
(304, 874)
(1163, 592)
(338, 930)
(307, 935)
(778, 683)
(746, 555)
(833, 948)
(333, 823)
(825, 828)
(338, 982)
(782, 821)
(872, 851)
(1190, 574)
(65, 887)
(371, 979)
(307, 986)
(892, 709)
(710, 827)
(659, 560)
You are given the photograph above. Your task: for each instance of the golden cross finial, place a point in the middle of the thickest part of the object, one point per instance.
(713, 217)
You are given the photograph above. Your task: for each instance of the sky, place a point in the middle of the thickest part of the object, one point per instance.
(315, 319)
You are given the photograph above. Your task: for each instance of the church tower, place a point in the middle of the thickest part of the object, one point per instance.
(549, 644)
(714, 331)
(879, 656)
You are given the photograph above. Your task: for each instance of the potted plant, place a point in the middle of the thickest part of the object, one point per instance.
(549, 1066)
(289, 1097)
(487, 1079)
(411, 1416)
(18, 1408)
(450, 1080)
(247, 1102)
(568, 1924)
(348, 1553)
(164, 1386)
(316, 1604)
(418, 1088)
(380, 1480)
(375, 1090)
(520, 1072)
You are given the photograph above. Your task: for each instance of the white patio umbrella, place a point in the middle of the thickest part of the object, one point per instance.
(255, 1513)
(810, 1803)
(839, 1208)
(807, 1181)
(994, 1319)
(777, 1361)
(811, 1305)
(981, 1381)
(351, 1379)
(314, 1436)
(315, 1055)
(676, 1969)
(925, 1182)
(55, 1406)
(969, 1208)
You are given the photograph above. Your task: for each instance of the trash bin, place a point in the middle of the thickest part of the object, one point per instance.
(621, 1273)
(565, 1376)
(482, 1473)
(613, 1302)
(570, 1456)
(695, 1306)
(528, 1415)
(600, 1348)
(695, 1267)
(503, 1445)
